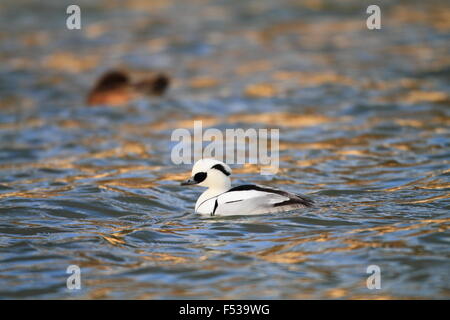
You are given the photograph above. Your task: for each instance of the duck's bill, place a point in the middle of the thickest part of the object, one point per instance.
(189, 182)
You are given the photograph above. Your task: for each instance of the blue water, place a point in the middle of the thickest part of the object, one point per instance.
(364, 131)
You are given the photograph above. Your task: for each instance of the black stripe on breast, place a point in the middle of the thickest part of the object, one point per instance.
(216, 204)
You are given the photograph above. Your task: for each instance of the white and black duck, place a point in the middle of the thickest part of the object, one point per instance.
(222, 200)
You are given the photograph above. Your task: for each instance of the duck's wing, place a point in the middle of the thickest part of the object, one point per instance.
(254, 199)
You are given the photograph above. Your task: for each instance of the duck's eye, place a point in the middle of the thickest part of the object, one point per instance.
(200, 176)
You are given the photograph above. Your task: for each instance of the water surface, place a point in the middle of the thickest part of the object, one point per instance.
(364, 130)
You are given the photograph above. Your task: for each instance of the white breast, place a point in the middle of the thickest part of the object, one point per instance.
(205, 206)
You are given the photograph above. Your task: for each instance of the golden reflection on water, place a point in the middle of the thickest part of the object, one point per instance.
(286, 254)
(339, 141)
(69, 62)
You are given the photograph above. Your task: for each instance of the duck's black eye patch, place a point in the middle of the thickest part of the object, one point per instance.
(221, 168)
(200, 176)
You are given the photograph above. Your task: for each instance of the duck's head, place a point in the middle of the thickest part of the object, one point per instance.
(210, 173)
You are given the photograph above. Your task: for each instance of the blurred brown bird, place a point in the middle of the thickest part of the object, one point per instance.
(116, 88)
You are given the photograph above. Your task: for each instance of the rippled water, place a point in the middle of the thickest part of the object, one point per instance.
(364, 130)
